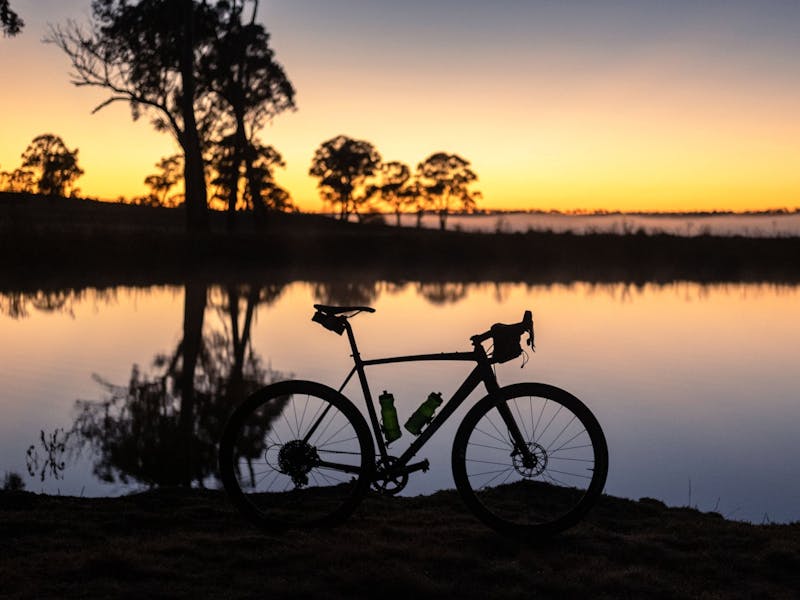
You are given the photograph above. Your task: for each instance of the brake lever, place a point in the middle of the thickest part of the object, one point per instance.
(531, 339)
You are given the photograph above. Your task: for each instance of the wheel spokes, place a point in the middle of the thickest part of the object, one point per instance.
(540, 481)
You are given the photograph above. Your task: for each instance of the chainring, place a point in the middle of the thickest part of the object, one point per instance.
(387, 485)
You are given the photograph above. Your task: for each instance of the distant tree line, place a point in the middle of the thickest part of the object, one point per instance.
(204, 71)
(165, 186)
(354, 179)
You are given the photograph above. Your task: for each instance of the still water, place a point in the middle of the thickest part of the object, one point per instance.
(695, 385)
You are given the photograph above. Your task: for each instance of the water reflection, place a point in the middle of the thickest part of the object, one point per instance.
(162, 427)
(20, 305)
(347, 293)
(240, 300)
(443, 292)
(676, 373)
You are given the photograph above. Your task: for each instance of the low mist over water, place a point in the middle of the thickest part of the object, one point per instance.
(722, 224)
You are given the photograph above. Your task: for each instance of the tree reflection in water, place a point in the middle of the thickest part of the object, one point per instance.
(443, 292)
(346, 293)
(162, 428)
(20, 305)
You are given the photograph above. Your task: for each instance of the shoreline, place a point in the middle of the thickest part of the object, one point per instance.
(58, 240)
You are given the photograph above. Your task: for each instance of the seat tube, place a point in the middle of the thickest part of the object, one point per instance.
(362, 378)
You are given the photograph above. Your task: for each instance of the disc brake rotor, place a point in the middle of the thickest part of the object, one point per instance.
(532, 465)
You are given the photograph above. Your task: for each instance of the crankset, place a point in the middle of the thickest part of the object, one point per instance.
(386, 484)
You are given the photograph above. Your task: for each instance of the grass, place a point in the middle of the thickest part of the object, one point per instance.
(190, 543)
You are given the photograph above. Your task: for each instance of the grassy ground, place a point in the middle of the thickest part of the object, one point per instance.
(176, 544)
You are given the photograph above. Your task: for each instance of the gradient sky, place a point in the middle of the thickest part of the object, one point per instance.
(564, 104)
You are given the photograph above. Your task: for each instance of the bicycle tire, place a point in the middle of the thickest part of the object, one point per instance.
(537, 496)
(275, 463)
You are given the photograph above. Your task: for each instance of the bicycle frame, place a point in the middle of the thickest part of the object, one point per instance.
(482, 373)
(330, 450)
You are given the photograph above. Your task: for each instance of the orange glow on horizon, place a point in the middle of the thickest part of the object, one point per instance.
(672, 129)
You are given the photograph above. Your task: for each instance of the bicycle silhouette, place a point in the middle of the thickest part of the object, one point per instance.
(528, 458)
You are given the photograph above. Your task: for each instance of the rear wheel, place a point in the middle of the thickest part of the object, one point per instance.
(296, 454)
(540, 481)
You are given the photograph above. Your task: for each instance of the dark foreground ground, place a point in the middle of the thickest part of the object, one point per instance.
(55, 241)
(190, 544)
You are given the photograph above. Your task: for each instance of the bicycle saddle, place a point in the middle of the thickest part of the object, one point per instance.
(336, 310)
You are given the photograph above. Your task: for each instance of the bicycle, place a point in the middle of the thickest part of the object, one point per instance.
(528, 459)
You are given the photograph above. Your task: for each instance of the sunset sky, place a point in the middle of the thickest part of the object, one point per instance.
(558, 104)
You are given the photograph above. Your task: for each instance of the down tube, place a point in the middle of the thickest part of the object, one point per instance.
(470, 383)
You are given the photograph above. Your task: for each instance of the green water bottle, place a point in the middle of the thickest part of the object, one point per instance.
(423, 415)
(391, 427)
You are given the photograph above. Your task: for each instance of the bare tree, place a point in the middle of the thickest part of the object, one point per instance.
(144, 53)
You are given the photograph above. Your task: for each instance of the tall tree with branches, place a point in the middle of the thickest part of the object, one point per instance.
(250, 88)
(145, 53)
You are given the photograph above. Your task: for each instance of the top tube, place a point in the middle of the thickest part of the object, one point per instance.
(463, 356)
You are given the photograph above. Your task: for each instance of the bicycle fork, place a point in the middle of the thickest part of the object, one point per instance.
(520, 446)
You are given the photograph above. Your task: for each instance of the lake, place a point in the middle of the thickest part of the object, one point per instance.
(694, 385)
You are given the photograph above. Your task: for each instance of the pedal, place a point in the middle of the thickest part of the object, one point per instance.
(423, 466)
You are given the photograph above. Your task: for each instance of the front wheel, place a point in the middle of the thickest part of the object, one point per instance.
(530, 459)
(296, 454)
